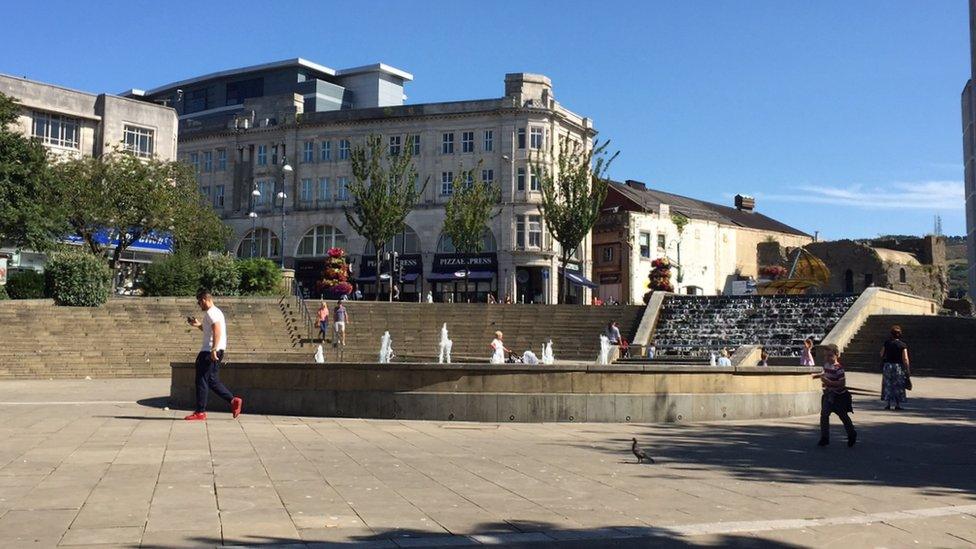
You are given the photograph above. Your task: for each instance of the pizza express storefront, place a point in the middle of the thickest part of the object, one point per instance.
(410, 267)
(461, 278)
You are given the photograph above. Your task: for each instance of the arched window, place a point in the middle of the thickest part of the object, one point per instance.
(406, 242)
(318, 240)
(849, 281)
(445, 246)
(902, 277)
(259, 243)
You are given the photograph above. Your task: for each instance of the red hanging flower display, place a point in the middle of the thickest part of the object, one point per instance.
(335, 276)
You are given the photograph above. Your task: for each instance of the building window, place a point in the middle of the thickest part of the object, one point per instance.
(535, 231)
(325, 193)
(608, 254)
(467, 142)
(415, 141)
(446, 246)
(489, 140)
(236, 92)
(488, 176)
(520, 179)
(447, 183)
(264, 187)
(262, 155)
(318, 240)
(468, 179)
(394, 145)
(196, 101)
(535, 139)
(208, 161)
(325, 151)
(344, 149)
(259, 243)
(521, 138)
(218, 197)
(535, 185)
(406, 242)
(139, 141)
(661, 242)
(195, 162)
(520, 232)
(447, 143)
(52, 129)
(902, 277)
(305, 192)
(221, 160)
(342, 188)
(205, 191)
(308, 152)
(645, 245)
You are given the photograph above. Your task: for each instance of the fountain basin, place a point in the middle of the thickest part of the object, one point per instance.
(562, 392)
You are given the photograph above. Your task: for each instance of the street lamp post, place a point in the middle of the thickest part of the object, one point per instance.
(285, 170)
(254, 219)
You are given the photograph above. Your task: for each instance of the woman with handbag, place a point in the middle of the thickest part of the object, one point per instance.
(896, 370)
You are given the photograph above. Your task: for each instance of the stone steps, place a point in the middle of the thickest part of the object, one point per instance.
(938, 345)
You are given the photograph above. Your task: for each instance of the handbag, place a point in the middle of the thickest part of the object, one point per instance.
(908, 382)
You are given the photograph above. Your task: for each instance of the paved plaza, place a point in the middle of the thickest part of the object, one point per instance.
(103, 463)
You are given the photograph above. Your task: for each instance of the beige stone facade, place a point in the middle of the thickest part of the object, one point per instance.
(239, 152)
(71, 122)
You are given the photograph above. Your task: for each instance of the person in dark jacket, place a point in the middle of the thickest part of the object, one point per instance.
(895, 370)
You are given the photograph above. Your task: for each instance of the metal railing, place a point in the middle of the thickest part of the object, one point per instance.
(302, 305)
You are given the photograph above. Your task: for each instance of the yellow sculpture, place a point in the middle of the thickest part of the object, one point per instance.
(806, 271)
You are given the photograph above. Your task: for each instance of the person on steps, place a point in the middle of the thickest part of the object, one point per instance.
(341, 319)
(836, 398)
(323, 321)
(895, 371)
(211, 354)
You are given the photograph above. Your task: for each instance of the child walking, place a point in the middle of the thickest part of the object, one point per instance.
(836, 398)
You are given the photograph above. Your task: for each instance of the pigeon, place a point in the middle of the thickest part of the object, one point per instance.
(640, 453)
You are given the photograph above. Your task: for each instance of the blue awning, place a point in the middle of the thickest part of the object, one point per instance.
(577, 278)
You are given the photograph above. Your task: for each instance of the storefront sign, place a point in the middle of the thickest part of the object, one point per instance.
(152, 242)
(412, 264)
(450, 263)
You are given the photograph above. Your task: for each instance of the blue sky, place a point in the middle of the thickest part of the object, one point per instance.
(840, 117)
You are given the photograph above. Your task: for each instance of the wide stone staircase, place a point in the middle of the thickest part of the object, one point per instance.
(136, 337)
(415, 329)
(690, 328)
(937, 345)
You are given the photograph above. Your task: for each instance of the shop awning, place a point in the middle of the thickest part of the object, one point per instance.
(459, 275)
(578, 279)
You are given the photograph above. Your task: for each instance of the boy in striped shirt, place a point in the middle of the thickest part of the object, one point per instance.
(836, 398)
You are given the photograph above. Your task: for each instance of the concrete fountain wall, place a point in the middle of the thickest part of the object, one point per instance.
(564, 392)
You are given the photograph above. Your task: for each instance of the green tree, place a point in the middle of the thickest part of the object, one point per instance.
(468, 211)
(27, 218)
(383, 192)
(133, 198)
(572, 195)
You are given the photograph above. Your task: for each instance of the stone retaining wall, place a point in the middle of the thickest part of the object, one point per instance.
(564, 392)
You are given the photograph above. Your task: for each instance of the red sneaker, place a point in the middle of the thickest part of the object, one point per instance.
(236, 404)
(197, 416)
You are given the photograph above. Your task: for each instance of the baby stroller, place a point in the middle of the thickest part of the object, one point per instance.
(513, 359)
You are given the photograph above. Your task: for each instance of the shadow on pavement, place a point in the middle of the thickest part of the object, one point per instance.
(154, 402)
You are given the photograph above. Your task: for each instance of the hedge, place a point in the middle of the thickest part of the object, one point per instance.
(25, 285)
(220, 275)
(259, 276)
(78, 279)
(176, 275)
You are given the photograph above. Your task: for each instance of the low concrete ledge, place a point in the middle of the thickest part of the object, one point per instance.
(577, 392)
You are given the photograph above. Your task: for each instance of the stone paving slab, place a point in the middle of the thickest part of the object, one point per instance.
(103, 463)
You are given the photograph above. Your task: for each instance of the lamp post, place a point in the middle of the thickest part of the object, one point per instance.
(285, 170)
(254, 219)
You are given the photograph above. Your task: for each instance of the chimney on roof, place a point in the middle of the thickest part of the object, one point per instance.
(745, 203)
(634, 184)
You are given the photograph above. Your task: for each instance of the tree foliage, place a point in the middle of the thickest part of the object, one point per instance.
(468, 211)
(134, 198)
(573, 194)
(383, 191)
(78, 279)
(27, 218)
(259, 276)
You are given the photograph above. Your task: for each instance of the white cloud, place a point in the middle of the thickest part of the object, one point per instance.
(924, 195)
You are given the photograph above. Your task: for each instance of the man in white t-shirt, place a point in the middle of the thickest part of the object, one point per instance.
(211, 354)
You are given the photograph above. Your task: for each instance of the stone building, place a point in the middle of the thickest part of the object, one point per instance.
(916, 265)
(969, 153)
(240, 127)
(72, 123)
(716, 246)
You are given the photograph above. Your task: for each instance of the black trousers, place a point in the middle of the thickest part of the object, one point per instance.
(207, 380)
(835, 404)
